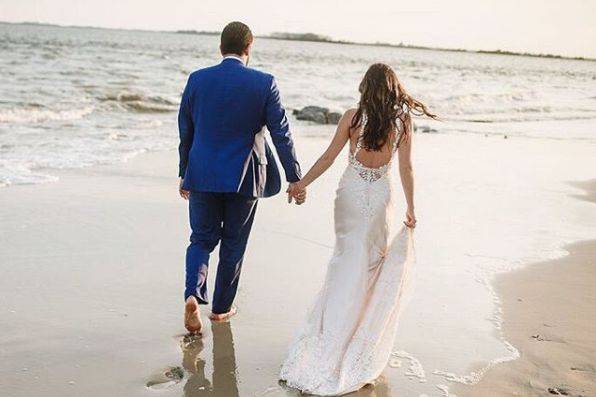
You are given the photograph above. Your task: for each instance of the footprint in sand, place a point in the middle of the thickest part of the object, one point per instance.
(547, 338)
(191, 345)
(166, 378)
(559, 391)
(191, 341)
(564, 390)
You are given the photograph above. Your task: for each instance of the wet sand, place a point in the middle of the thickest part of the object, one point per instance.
(550, 317)
(91, 273)
(92, 288)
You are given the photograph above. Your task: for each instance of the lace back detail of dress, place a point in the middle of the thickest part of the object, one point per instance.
(370, 174)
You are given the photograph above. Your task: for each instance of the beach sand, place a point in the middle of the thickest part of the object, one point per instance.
(550, 317)
(92, 273)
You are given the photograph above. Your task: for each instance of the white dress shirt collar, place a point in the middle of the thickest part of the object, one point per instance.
(231, 56)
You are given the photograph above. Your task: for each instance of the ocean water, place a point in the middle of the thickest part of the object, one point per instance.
(75, 97)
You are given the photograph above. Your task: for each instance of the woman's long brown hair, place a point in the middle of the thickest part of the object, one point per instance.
(383, 99)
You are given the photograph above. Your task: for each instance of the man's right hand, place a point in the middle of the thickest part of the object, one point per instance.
(185, 194)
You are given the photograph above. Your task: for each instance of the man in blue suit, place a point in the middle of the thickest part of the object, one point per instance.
(226, 165)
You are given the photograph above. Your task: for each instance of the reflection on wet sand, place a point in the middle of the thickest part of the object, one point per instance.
(224, 382)
(224, 378)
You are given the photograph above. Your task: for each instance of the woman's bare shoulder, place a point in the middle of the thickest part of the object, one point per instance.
(350, 113)
(348, 116)
(346, 121)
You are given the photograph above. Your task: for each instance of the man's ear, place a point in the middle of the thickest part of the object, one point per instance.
(248, 49)
(220, 50)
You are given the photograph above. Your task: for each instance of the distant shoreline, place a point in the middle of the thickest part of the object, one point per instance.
(316, 38)
(312, 37)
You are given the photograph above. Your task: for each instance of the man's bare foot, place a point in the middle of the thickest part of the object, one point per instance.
(192, 316)
(223, 316)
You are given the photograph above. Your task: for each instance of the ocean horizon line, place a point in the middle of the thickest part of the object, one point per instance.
(318, 38)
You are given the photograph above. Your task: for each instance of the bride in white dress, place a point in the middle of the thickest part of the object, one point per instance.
(348, 335)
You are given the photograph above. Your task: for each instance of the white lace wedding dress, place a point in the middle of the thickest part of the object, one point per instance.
(348, 335)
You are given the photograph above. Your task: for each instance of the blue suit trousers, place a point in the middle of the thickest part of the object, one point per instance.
(224, 218)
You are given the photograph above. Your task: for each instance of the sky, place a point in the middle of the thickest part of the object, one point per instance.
(536, 26)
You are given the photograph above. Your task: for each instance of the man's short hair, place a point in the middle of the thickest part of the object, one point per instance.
(235, 38)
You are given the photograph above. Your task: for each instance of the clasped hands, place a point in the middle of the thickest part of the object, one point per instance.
(297, 192)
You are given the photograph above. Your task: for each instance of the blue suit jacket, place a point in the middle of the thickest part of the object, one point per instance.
(223, 112)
